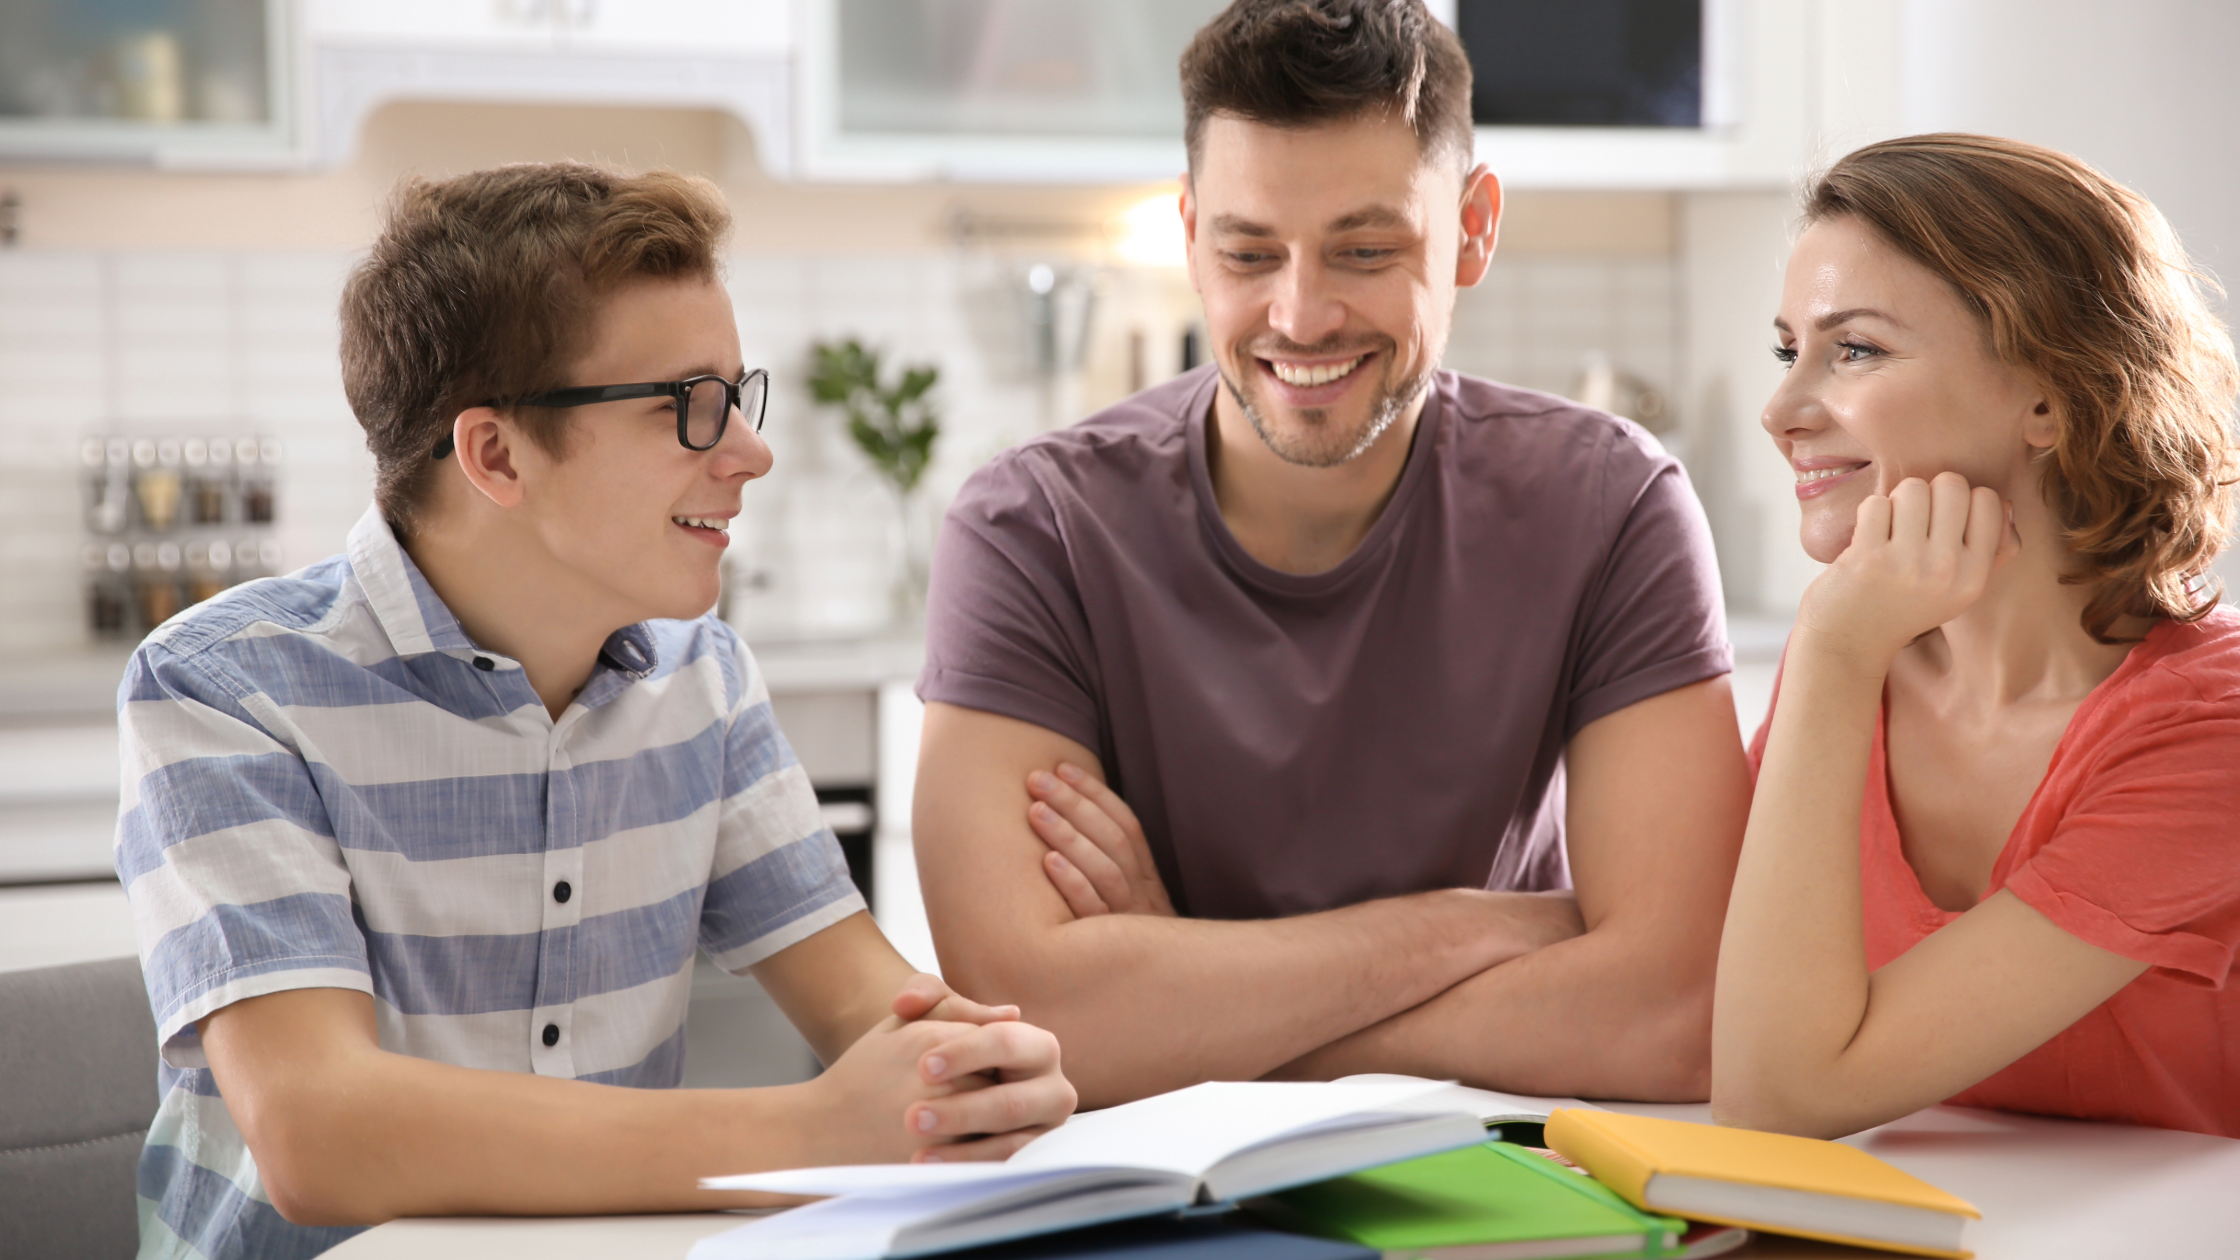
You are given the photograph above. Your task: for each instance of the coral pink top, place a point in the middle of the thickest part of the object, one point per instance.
(2131, 842)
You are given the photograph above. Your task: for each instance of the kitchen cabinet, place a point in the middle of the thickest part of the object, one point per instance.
(734, 55)
(173, 82)
(703, 27)
(994, 90)
(280, 84)
(1081, 91)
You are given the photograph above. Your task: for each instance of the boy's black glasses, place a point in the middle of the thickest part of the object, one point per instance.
(704, 404)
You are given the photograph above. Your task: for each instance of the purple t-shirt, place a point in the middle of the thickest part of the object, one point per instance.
(1394, 724)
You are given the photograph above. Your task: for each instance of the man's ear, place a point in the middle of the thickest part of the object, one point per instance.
(1481, 225)
(1187, 206)
(484, 443)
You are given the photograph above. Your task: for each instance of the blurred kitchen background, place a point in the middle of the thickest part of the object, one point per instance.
(982, 187)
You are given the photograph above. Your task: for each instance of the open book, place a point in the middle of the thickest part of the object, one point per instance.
(1209, 1143)
(1492, 1107)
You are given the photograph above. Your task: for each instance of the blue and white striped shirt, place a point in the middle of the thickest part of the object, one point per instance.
(328, 785)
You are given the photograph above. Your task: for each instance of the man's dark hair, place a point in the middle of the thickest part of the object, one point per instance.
(484, 287)
(1300, 63)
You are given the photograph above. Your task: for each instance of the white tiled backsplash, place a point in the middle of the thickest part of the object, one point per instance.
(203, 344)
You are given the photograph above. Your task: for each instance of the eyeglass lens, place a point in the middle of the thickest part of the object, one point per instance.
(706, 413)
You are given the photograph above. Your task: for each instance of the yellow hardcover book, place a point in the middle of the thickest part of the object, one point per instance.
(1769, 1181)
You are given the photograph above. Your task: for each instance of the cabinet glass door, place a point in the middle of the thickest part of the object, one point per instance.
(140, 78)
(1059, 68)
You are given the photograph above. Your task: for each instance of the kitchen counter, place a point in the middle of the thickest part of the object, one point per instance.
(58, 740)
(65, 684)
(74, 684)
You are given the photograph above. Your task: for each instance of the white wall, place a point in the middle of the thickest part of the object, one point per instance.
(1732, 247)
(2145, 90)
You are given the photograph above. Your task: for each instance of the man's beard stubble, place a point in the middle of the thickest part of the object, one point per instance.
(1332, 449)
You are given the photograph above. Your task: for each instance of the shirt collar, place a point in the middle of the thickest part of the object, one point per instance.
(409, 610)
(631, 651)
(418, 622)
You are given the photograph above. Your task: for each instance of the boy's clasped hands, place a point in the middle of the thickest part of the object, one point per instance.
(935, 1079)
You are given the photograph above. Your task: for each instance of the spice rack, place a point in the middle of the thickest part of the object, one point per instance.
(171, 522)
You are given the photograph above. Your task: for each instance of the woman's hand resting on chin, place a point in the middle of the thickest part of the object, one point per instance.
(1918, 558)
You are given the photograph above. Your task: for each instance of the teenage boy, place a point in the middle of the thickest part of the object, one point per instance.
(1270, 710)
(421, 841)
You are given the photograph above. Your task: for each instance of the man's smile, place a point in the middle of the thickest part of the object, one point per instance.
(1312, 373)
(1303, 382)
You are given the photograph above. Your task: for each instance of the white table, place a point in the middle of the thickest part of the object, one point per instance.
(2048, 1190)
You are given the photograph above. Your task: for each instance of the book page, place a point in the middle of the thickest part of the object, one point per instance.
(1184, 1132)
(1181, 1133)
(1190, 1130)
(1489, 1105)
(866, 1179)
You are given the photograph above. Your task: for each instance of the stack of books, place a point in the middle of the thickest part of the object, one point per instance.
(1367, 1169)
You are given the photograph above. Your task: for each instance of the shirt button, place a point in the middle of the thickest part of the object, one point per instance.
(552, 1034)
(485, 664)
(561, 892)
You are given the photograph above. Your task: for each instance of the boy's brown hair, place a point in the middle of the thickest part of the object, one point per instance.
(2080, 282)
(1301, 63)
(483, 287)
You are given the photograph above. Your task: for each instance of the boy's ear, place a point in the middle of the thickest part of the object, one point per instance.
(484, 445)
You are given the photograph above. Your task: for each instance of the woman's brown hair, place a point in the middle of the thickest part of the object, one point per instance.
(2080, 282)
(483, 287)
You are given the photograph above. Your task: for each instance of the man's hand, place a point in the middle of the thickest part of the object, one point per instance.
(927, 1089)
(1097, 860)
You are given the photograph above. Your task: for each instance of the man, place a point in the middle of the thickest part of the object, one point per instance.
(1271, 711)
(421, 841)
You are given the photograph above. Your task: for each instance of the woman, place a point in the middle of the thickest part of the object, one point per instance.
(1994, 851)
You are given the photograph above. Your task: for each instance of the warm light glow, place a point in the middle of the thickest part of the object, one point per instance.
(1149, 233)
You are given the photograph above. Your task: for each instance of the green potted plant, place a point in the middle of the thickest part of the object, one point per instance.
(894, 423)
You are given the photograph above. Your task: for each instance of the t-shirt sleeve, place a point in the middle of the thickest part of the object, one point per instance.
(1653, 620)
(779, 876)
(2145, 861)
(1005, 631)
(225, 850)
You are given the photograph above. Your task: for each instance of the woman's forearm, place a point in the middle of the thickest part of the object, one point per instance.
(1792, 981)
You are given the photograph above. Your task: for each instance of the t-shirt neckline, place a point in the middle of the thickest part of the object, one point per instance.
(2141, 657)
(1199, 413)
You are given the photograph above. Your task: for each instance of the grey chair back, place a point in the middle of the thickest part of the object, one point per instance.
(77, 1093)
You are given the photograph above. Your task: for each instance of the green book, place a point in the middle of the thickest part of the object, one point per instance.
(1495, 1201)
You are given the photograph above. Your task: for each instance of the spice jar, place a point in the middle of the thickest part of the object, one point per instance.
(203, 577)
(253, 460)
(206, 480)
(108, 484)
(107, 604)
(157, 566)
(158, 483)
